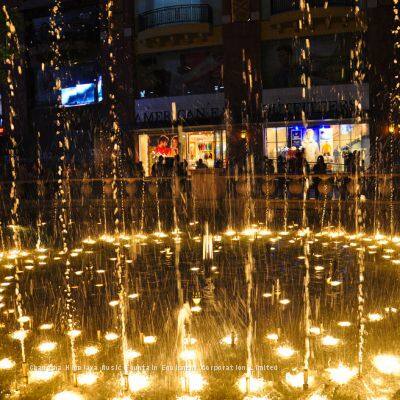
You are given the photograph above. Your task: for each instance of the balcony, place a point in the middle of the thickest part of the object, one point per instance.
(281, 6)
(175, 15)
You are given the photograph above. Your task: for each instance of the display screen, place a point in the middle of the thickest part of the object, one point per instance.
(82, 94)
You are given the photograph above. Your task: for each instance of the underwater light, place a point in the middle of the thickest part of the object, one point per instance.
(342, 374)
(387, 364)
(7, 363)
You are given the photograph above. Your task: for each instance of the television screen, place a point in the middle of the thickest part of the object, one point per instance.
(82, 94)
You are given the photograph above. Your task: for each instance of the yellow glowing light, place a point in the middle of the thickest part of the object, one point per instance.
(90, 350)
(285, 351)
(113, 303)
(68, 395)
(133, 296)
(375, 317)
(329, 281)
(188, 355)
(330, 341)
(342, 374)
(89, 240)
(46, 347)
(87, 379)
(196, 309)
(122, 398)
(19, 335)
(132, 354)
(315, 330)
(317, 396)
(7, 363)
(344, 324)
(189, 341)
(111, 336)
(273, 337)
(229, 340)
(267, 295)
(43, 374)
(284, 301)
(74, 333)
(107, 238)
(192, 382)
(137, 382)
(149, 339)
(387, 364)
(249, 232)
(251, 384)
(46, 327)
(160, 235)
(297, 380)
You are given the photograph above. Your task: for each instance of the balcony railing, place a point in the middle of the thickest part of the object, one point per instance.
(280, 6)
(183, 14)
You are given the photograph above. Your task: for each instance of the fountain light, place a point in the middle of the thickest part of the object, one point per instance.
(285, 351)
(19, 335)
(267, 295)
(329, 281)
(273, 337)
(250, 231)
(68, 395)
(196, 309)
(188, 355)
(149, 339)
(342, 374)
(284, 302)
(132, 354)
(46, 347)
(229, 340)
(89, 240)
(160, 234)
(317, 396)
(113, 303)
(189, 340)
(315, 330)
(122, 398)
(90, 350)
(43, 374)
(344, 324)
(111, 336)
(251, 384)
(137, 381)
(188, 397)
(297, 380)
(387, 364)
(87, 379)
(7, 363)
(330, 341)
(375, 317)
(192, 382)
(74, 333)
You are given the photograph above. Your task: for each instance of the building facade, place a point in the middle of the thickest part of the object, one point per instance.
(210, 78)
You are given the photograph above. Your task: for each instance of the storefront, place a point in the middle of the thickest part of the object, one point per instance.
(193, 145)
(332, 139)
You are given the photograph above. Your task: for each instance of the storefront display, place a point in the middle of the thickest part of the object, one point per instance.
(334, 142)
(209, 146)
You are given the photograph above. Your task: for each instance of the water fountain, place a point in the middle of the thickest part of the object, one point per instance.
(292, 302)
